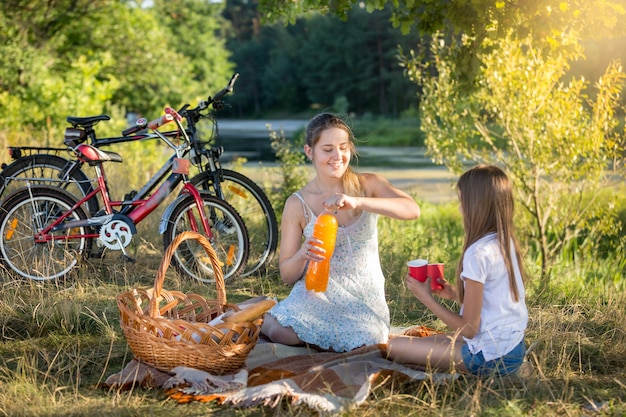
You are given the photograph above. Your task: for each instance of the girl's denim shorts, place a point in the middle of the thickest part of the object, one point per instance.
(505, 365)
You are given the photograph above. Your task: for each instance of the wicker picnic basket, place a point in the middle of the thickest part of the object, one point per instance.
(166, 329)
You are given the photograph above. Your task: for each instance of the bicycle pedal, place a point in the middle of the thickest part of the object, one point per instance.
(126, 258)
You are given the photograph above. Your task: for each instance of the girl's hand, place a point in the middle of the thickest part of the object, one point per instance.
(421, 290)
(311, 251)
(448, 291)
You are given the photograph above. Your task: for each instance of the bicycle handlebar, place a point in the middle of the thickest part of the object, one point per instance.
(140, 124)
(171, 114)
(227, 89)
(160, 121)
(215, 100)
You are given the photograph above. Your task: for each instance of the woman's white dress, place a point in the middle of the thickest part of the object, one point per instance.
(353, 311)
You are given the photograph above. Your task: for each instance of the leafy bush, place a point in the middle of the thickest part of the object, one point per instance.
(292, 174)
(558, 145)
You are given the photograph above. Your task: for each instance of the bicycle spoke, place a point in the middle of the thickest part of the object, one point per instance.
(26, 214)
(46, 169)
(229, 239)
(251, 203)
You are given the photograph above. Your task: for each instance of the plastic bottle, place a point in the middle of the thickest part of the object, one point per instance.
(325, 229)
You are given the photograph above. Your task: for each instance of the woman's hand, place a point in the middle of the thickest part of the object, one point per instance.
(380, 197)
(340, 202)
(311, 251)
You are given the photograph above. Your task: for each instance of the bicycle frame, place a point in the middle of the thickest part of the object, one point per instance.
(100, 142)
(141, 205)
(16, 152)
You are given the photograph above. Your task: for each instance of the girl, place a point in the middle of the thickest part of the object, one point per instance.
(489, 330)
(353, 311)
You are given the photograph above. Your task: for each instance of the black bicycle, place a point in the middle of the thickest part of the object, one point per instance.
(39, 165)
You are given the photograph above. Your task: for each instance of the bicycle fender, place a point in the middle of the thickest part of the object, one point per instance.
(168, 210)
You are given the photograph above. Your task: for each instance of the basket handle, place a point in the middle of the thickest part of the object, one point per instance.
(167, 257)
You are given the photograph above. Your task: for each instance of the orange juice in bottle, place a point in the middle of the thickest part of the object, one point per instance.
(325, 229)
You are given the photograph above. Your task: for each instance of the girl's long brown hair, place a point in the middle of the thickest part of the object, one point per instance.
(351, 181)
(486, 197)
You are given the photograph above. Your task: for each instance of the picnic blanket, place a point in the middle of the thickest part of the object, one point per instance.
(324, 381)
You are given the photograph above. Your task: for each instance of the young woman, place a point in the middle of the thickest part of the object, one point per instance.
(353, 311)
(489, 330)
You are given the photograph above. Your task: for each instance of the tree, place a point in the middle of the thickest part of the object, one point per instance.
(281, 80)
(140, 49)
(82, 57)
(356, 60)
(319, 60)
(38, 88)
(496, 88)
(198, 30)
(557, 145)
(544, 20)
(595, 19)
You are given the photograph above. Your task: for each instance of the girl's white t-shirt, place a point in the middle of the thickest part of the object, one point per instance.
(503, 321)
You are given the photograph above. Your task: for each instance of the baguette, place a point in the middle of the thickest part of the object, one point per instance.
(251, 313)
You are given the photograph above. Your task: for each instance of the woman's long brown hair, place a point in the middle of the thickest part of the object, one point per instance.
(487, 204)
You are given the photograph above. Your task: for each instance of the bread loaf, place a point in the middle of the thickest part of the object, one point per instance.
(251, 313)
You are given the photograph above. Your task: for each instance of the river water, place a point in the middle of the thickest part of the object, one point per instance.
(407, 168)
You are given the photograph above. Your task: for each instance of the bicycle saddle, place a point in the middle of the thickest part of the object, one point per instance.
(92, 155)
(86, 121)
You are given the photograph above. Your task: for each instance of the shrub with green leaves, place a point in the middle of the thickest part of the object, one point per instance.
(292, 173)
(559, 145)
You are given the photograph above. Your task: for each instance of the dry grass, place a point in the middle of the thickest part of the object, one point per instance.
(61, 338)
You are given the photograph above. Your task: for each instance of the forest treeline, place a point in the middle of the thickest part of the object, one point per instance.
(83, 57)
(320, 61)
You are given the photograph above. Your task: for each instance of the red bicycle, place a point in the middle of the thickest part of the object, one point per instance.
(47, 166)
(45, 232)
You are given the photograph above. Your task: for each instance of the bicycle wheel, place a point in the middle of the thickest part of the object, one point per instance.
(252, 204)
(230, 238)
(48, 170)
(28, 211)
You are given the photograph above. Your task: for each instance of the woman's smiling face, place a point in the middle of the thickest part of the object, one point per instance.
(332, 152)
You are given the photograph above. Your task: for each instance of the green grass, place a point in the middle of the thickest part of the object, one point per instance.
(377, 131)
(60, 339)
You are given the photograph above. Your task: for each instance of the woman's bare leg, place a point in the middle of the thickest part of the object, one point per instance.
(279, 334)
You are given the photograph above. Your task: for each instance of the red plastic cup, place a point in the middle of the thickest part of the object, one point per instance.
(435, 271)
(418, 269)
